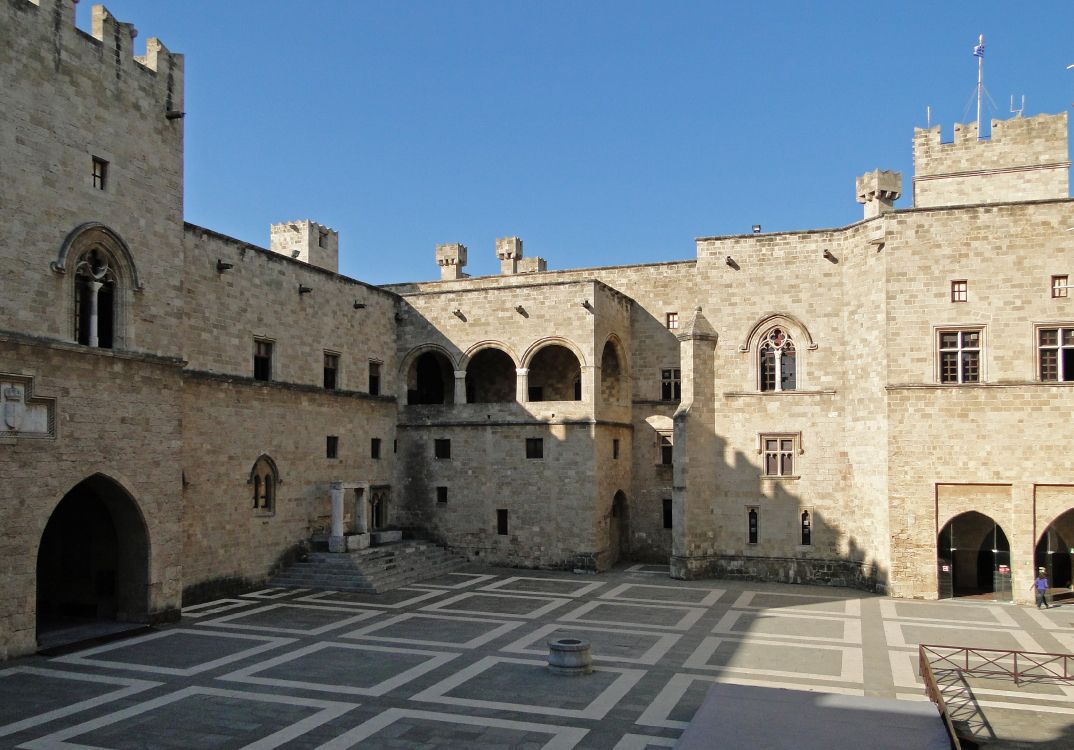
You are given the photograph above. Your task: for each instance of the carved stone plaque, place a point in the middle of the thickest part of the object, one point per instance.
(23, 415)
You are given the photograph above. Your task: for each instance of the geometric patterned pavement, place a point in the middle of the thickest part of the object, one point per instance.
(459, 661)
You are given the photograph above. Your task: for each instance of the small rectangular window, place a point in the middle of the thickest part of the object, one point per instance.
(374, 448)
(262, 360)
(667, 448)
(667, 513)
(752, 527)
(960, 356)
(534, 447)
(331, 370)
(807, 529)
(441, 495)
(374, 378)
(672, 321)
(615, 448)
(332, 446)
(1060, 286)
(501, 522)
(959, 290)
(670, 384)
(535, 393)
(442, 448)
(777, 459)
(100, 173)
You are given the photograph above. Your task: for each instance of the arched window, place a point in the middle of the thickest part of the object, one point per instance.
(807, 529)
(95, 299)
(777, 365)
(265, 479)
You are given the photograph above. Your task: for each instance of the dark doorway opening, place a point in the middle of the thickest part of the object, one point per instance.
(974, 558)
(431, 380)
(93, 562)
(618, 531)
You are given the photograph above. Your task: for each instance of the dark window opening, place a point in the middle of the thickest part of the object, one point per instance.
(615, 447)
(671, 384)
(374, 448)
(262, 360)
(535, 393)
(752, 520)
(501, 522)
(807, 529)
(95, 301)
(667, 513)
(534, 447)
(442, 448)
(331, 370)
(667, 450)
(332, 446)
(441, 495)
(374, 378)
(100, 173)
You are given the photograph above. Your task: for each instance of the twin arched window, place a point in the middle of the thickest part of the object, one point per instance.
(777, 365)
(95, 299)
(264, 479)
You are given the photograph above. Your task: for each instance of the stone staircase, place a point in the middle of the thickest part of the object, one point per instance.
(374, 570)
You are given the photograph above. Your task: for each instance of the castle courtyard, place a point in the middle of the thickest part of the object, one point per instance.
(460, 661)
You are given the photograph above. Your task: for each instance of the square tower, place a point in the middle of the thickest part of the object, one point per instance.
(308, 242)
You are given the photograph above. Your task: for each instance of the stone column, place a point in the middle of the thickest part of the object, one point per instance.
(460, 386)
(589, 385)
(522, 384)
(361, 511)
(336, 542)
(692, 522)
(94, 288)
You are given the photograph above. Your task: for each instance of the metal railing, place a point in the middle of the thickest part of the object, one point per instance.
(993, 662)
(1021, 666)
(932, 690)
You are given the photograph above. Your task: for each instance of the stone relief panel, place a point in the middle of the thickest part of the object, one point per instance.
(22, 414)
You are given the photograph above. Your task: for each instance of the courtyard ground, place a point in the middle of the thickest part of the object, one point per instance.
(458, 661)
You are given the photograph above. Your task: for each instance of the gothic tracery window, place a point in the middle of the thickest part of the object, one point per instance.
(264, 478)
(95, 300)
(777, 365)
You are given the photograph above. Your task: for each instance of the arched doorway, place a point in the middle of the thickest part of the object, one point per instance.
(93, 561)
(974, 558)
(617, 528)
(1055, 550)
(431, 379)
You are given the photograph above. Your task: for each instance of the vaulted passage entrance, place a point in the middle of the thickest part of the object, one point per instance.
(1055, 550)
(93, 562)
(974, 558)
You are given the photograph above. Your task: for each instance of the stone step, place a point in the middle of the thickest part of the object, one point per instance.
(373, 570)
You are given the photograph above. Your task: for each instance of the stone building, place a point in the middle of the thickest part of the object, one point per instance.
(885, 405)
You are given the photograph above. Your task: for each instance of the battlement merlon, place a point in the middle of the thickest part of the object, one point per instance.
(1026, 158)
(307, 241)
(509, 253)
(56, 20)
(451, 258)
(878, 190)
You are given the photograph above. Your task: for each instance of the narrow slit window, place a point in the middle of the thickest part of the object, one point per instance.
(667, 512)
(332, 446)
(100, 173)
(751, 525)
(501, 522)
(331, 371)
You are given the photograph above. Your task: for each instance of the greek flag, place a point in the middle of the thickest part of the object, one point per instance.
(978, 50)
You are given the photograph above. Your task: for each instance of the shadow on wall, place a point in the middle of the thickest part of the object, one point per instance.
(762, 530)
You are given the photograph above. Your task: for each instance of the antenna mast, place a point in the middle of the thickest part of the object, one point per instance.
(978, 52)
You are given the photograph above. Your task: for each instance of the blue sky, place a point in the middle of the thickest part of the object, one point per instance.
(601, 133)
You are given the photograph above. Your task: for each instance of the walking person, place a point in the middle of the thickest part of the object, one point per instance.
(1040, 588)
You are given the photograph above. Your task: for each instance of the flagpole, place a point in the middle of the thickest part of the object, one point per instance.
(980, 81)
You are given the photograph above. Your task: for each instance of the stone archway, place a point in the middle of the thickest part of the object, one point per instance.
(93, 560)
(1055, 550)
(974, 558)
